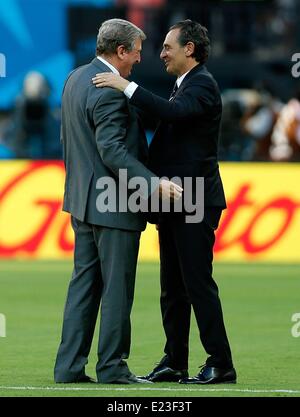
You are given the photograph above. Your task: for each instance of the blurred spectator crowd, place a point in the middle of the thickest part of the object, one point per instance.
(257, 123)
(31, 130)
(258, 126)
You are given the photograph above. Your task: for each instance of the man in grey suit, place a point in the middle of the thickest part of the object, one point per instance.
(101, 135)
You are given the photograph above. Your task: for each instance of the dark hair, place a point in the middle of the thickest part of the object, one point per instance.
(191, 31)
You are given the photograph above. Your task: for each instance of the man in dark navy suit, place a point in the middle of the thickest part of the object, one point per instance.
(185, 144)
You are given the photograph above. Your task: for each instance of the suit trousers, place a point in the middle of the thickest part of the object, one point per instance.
(104, 271)
(186, 254)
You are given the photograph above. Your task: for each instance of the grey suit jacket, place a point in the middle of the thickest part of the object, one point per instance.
(100, 134)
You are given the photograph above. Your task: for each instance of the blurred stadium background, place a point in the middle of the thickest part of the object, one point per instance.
(257, 250)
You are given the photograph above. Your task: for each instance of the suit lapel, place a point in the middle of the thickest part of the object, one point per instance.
(161, 125)
(196, 70)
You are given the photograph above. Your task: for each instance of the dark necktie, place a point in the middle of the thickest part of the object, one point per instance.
(175, 88)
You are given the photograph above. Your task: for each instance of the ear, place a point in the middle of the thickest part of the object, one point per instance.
(121, 51)
(189, 49)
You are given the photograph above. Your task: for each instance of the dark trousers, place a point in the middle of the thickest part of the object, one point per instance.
(104, 270)
(186, 253)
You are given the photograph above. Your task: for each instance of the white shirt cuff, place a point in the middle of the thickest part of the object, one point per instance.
(130, 89)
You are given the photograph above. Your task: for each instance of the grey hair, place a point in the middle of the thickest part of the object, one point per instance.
(116, 32)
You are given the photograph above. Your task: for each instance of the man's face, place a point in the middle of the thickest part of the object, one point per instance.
(130, 58)
(173, 54)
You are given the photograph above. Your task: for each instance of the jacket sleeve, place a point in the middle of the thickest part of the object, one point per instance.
(198, 97)
(111, 119)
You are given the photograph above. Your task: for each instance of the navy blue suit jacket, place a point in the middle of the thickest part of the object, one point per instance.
(185, 143)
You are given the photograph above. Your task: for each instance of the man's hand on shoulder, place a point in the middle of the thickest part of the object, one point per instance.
(109, 79)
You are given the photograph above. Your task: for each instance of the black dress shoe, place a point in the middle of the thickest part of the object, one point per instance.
(80, 380)
(163, 373)
(211, 375)
(138, 380)
(85, 379)
(132, 379)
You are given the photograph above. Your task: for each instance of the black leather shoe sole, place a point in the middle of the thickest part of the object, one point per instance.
(165, 374)
(210, 375)
(82, 380)
(126, 381)
(190, 381)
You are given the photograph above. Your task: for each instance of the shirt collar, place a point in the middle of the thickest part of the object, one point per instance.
(181, 78)
(109, 65)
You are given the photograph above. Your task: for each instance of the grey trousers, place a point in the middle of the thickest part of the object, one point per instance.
(104, 271)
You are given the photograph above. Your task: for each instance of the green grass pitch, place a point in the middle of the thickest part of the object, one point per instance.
(258, 301)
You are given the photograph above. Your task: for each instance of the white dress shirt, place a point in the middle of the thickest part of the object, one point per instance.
(108, 64)
(130, 89)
